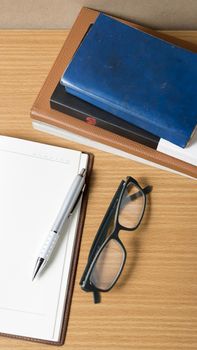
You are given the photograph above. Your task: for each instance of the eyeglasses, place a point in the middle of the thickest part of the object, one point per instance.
(108, 255)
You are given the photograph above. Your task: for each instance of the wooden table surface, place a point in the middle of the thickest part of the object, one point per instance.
(154, 304)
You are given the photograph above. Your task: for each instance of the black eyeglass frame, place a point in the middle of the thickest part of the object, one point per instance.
(101, 241)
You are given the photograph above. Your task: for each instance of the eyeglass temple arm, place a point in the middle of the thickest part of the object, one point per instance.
(136, 195)
(99, 239)
(106, 218)
(101, 232)
(147, 189)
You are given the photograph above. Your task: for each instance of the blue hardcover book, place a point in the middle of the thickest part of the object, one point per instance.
(142, 79)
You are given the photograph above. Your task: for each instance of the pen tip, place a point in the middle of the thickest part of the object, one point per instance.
(34, 275)
(38, 267)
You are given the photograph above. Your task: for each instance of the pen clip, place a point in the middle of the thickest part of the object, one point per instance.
(77, 200)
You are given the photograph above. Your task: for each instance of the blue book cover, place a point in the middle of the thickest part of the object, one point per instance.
(142, 79)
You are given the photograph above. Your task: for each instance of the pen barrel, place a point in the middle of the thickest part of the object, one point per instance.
(69, 203)
(49, 245)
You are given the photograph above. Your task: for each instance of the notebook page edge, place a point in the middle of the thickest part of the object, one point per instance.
(59, 320)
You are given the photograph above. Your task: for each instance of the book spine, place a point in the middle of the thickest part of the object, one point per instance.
(110, 123)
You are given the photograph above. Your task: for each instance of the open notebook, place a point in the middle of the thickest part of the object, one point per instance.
(34, 180)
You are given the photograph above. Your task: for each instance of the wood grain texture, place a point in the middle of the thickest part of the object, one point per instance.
(154, 304)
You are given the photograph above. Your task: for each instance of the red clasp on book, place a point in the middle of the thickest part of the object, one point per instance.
(91, 120)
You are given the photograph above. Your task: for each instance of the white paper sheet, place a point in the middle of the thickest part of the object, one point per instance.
(34, 180)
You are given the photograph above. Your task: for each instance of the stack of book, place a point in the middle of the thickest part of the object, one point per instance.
(124, 89)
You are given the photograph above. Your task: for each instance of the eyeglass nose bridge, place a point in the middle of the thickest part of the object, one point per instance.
(115, 235)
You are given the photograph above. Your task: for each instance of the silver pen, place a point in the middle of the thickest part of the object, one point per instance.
(66, 209)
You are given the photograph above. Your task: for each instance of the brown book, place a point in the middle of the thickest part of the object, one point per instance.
(60, 124)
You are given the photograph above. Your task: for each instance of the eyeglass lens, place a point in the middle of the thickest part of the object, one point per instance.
(132, 206)
(108, 265)
(110, 260)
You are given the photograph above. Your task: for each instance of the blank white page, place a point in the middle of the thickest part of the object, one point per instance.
(34, 180)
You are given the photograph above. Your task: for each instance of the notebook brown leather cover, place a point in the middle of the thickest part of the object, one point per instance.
(73, 267)
(42, 112)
